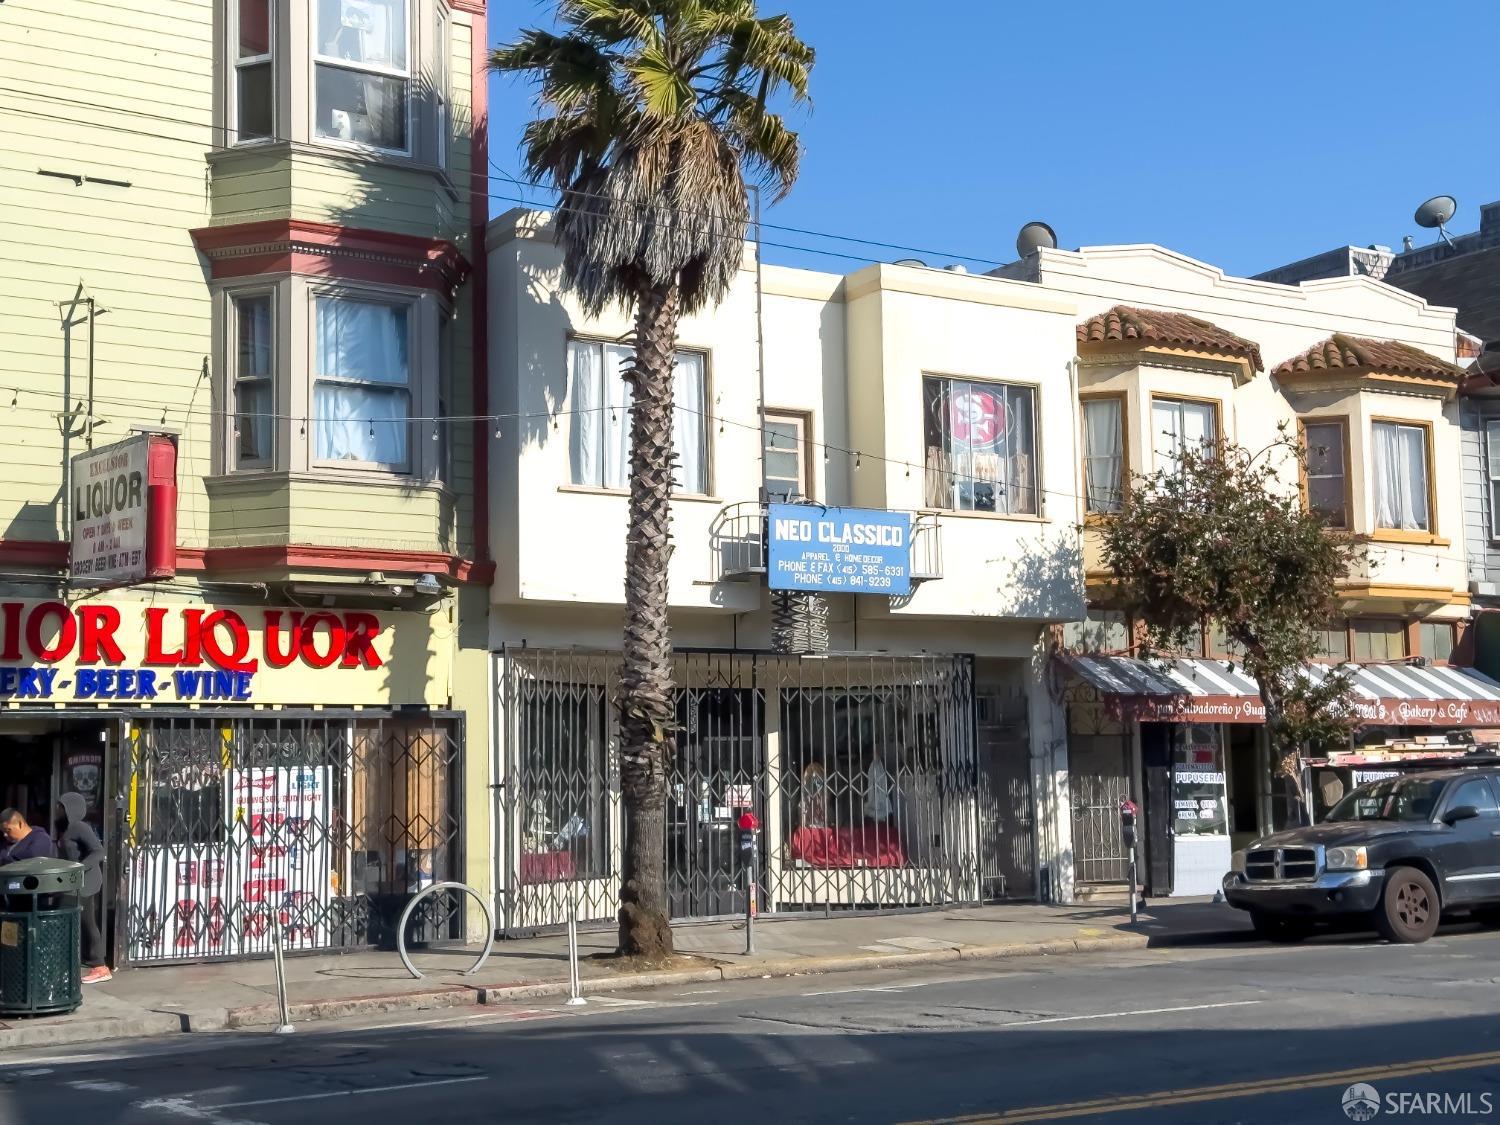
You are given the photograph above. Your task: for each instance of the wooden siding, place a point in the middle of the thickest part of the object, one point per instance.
(124, 90)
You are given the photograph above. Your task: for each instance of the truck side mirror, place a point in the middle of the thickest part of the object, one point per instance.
(1459, 812)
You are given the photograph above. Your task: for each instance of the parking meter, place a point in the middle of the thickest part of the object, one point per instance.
(750, 853)
(1127, 823)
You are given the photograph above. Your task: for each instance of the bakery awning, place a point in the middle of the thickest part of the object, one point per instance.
(1189, 690)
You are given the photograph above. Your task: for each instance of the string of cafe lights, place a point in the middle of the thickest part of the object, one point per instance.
(496, 423)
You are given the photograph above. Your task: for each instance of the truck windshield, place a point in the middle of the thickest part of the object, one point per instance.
(1400, 798)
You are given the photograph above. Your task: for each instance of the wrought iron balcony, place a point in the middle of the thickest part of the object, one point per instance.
(739, 537)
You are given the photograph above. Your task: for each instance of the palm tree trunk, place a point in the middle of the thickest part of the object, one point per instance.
(647, 699)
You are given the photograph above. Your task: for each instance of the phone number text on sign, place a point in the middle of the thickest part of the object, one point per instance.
(839, 550)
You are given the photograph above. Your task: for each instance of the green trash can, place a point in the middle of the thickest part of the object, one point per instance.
(39, 933)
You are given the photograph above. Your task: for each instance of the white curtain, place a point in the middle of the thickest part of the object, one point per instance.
(1178, 426)
(1400, 477)
(361, 399)
(689, 424)
(1103, 454)
(599, 445)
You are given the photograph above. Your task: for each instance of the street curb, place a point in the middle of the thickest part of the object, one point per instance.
(62, 1034)
(265, 1015)
(465, 995)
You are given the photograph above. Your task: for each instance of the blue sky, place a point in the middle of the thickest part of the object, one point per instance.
(1247, 134)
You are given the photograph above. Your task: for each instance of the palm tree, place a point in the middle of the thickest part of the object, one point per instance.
(655, 116)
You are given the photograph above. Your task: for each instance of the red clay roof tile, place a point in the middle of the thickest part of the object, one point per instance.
(1152, 326)
(1354, 353)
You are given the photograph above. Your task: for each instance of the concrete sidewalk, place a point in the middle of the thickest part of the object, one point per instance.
(159, 1001)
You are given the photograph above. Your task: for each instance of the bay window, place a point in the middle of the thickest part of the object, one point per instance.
(1180, 425)
(599, 446)
(361, 383)
(1376, 639)
(1327, 480)
(362, 72)
(441, 93)
(981, 446)
(1103, 454)
(254, 84)
(253, 381)
(1401, 476)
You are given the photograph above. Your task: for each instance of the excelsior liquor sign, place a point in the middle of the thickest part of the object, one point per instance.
(124, 512)
(142, 652)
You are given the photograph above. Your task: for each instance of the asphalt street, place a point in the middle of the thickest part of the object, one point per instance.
(1241, 1033)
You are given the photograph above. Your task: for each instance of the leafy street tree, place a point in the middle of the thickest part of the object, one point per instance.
(655, 117)
(1219, 539)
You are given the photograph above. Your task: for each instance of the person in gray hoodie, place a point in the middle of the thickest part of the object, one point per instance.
(79, 842)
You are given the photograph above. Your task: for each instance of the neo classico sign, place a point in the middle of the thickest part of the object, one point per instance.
(839, 550)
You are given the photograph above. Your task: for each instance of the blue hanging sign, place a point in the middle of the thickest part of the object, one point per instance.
(839, 550)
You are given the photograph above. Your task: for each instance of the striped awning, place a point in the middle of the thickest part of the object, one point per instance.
(1218, 691)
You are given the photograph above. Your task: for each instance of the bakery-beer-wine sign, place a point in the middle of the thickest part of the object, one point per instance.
(124, 512)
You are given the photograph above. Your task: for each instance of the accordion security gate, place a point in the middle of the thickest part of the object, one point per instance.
(862, 770)
(321, 824)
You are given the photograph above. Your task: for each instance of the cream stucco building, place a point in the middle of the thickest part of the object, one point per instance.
(934, 749)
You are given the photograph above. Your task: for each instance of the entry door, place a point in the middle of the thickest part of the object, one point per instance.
(719, 773)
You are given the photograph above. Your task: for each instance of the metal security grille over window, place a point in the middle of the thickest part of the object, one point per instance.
(361, 72)
(322, 826)
(875, 786)
(981, 446)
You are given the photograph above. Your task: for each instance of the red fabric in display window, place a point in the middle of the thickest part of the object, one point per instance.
(863, 845)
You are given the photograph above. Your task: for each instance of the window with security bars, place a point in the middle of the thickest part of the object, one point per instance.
(564, 779)
(321, 828)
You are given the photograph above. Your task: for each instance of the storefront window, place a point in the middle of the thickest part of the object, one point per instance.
(1198, 787)
(862, 777)
(564, 800)
(981, 446)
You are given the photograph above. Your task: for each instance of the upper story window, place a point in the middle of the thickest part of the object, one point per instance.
(1178, 425)
(1103, 454)
(253, 381)
(1402, 488)
(785, 454)
(1333, 642)
(361, 383)
(1492, 451)
(1327, 480)
(1436, 640)
(599, 451)
(442, 92)
(1377, 639)
(1101, 630)
(362, 73)
(254, 82)
(981, 446)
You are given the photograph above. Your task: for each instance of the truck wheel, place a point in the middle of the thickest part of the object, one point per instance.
(1409, 908)
(1280, 927)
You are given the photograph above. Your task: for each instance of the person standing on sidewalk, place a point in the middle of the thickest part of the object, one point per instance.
(78, 841)
(21, 841)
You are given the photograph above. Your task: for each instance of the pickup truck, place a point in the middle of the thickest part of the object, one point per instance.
(1399, 852)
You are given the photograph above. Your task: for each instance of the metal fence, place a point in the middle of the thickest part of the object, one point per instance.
(319, 824)
(863, 771)
(1099, 776)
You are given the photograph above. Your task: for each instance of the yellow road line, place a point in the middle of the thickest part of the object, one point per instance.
(1127, 1103)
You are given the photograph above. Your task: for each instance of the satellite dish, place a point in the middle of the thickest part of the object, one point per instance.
(911, 262)
(956, 268)
(1435, 213)
(1034, 237)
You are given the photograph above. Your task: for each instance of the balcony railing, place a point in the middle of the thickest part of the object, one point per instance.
(740, 537)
